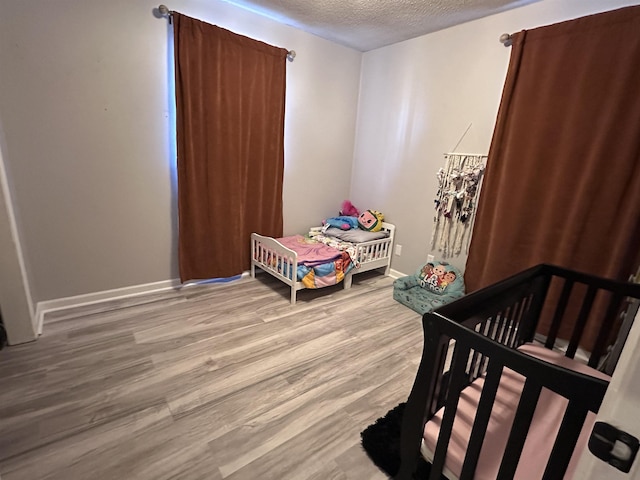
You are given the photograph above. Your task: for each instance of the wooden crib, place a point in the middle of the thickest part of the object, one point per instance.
(493, 332)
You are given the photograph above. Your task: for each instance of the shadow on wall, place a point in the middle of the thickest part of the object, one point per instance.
(3, 333)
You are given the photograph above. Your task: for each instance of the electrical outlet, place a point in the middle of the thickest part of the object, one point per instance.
(430, 258)
(398, 250)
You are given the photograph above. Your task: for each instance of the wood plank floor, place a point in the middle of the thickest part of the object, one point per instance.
(225, 381)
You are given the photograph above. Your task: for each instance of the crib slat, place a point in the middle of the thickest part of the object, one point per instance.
(582, 321)
(518, 320)
(534, 299)
(513, 331)
(498, 328)
(565, 442)
(481, 421)
(475, 358)
(504, 327)
(492, 331)
(559, 313)
(605, 330)
(493, 326)
(442, 387)
(523, 305)
(460, 354)
(519, 430)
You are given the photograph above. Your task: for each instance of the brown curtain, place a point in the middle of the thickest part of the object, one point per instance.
(230, 99)
(562, 184)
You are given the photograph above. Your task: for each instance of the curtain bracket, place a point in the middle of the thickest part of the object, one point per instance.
(506, 39)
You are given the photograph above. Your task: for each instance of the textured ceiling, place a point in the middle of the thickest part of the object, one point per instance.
(369, 24)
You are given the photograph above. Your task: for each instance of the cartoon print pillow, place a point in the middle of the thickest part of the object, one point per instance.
(371, 220)
(440, 278)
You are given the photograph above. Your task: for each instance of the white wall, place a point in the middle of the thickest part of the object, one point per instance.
(418, 97)
(87, 110)
(16, 304)
(620, 409)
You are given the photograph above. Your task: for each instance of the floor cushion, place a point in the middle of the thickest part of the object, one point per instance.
(434, 284)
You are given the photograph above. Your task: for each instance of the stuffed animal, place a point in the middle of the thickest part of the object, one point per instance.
(342, 222)
(349, 209)
(371, 220)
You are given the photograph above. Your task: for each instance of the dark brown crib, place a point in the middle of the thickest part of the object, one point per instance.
(488, 327)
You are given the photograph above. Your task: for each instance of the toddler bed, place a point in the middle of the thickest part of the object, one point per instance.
(510, 406)
(321, 259)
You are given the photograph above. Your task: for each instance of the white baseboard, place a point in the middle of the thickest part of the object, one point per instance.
(116, 294)
(396, 274)
(47, 306)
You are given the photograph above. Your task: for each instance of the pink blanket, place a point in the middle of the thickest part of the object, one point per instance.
(310, 253)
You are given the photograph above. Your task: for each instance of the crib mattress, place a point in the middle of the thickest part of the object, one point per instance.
(544, 426)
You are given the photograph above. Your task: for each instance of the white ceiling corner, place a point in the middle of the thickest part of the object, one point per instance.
(369, 24)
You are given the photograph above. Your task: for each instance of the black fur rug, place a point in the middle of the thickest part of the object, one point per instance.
(381, 441)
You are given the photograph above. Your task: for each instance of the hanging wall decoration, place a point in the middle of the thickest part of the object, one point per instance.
(456, 202)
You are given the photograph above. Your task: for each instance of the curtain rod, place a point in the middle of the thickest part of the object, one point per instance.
(506, 39)
(165, 12)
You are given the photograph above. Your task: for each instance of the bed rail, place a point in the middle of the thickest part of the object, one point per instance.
(487, 327)
(376, 253)
(277, 260)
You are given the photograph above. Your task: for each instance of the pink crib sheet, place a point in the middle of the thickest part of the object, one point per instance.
(544, 426)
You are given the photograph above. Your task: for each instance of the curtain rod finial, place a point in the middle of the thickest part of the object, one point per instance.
(506, 39)
(291, 54)
(164, 10)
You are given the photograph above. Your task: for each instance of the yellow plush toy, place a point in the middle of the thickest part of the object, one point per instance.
(371, 220)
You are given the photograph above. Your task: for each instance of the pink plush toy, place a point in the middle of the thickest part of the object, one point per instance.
(349, 209)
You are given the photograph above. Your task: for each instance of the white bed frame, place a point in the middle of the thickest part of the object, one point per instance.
(274, 258)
